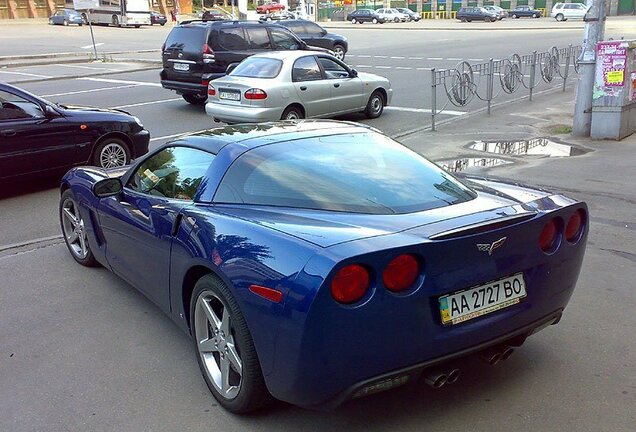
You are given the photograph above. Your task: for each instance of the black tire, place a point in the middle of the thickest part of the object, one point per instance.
(115, 20)
(71, 228)
(514, 16)
(396, 20)
(65, 23)
(559, 17)
(292, 113)
(353, 21)
(374, 20)
(375, 105)
(163, 24)
(137, 26)
(251, 393)
(462, 19)
(339, 51)
(111, 153)
(195, 99)
(468, 20)
(535, 16)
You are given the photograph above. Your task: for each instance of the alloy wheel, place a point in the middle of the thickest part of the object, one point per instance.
(112, 155)
(216, 346)
(74, 229)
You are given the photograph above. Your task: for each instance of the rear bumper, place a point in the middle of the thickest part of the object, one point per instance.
(184, 87)
(242, 114)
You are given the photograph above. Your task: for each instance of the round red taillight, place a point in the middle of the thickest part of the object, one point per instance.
(350, 283)
(548, 237)
(574, 227)
(211, 90)
(401, 273)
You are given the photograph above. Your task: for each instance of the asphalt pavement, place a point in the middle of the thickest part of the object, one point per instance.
(81, 350)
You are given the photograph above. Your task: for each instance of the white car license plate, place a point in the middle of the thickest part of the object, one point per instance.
(481, 300)
(230, 96)
(181, 66)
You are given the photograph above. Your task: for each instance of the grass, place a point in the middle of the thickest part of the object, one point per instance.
(560, 129)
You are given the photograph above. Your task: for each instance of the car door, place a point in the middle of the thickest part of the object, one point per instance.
(234, 47)
(313, 34)
(346, 91)
(138, 224)
(313, 91)
(32, 141)
(578, 10)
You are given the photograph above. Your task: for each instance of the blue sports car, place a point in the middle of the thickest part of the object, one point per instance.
(319, 261)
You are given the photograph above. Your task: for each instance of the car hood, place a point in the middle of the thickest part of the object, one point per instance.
(325, 228)
(87, 109)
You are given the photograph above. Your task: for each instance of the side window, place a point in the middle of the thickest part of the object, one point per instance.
(233, 39)
(313, 30)
(333, 70)
(13, 107)
(259, 39)
(175, 172)
(306, 69)
(282, 40)
(296, 27)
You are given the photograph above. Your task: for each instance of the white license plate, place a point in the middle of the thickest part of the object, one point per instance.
(230, 96)
(181, 66)
(481, 300)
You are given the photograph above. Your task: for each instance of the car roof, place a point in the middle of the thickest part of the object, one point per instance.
(287, 54)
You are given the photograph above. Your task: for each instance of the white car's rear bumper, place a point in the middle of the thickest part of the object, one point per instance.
(242, 114)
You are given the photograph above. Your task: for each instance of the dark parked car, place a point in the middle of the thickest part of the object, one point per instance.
(318, 262)
(525, 11)
(157, 18)
(314, 35)
(468, 14)
(66, 17)
(364, 15)
(413, 16)
(197, 52)
(37, 136)
(214, 15)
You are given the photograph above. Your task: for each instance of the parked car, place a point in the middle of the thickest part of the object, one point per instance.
(316, 36)
(196, 52)
(157, 18)
(215, 15)
(565, 11)
(40, 137)
(413, 16)
(292, 253)
(277, 16)
(501, 13)
(525, 11)
(269, 7)
(365, 15)
(468, 14)
(392, 15)
(66, 17)
(294, 85)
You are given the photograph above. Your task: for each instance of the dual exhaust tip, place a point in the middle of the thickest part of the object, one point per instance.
(437, 379)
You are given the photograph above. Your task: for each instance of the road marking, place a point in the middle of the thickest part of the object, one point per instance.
(434, 58)
(87, 67)
(380, 56)
(90, 91)
(25, 74)
(384, 67)
(403, 68)
(424, 110)
(91, 45)
(116, 81)
(416, 58)
(363, 66)
(397, 57)
(363, 56)
(454, 59)
(424, 69)
(179, 134)
(475, 59)
(147, 103)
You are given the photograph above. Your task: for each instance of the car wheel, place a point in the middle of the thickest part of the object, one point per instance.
(111, 153)
(74, 230)
(50, 22)
(339, 52)
(137, 26)
(115, 21)
(396, 20)
(374, 20)
(65, 23)
(292, 113)
(353, 21)
(468, 20)
(535, 16)
(268, 19)
(559, 17)
(513, 16)
(462, 19)
(195, 99)
(225, 349)
(375, 106)
(163, 24)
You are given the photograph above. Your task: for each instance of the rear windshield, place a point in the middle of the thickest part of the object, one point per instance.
(186, 38)
(361, 173)
(258, 67)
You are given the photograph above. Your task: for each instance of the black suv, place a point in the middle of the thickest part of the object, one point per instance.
(314, 35)
(196, 52)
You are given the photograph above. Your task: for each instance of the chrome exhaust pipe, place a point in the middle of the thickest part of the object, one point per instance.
(507, 352)
(453, 376)
(435, 379)
(491, 356)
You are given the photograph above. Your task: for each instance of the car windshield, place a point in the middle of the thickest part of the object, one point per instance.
(258, 67)
(361, 173)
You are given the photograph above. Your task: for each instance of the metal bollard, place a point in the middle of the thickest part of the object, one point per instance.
(489, 83)
(533, 69)
(567, 66)
(433, 99)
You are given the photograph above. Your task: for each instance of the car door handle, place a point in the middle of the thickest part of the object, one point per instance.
(336, 85)
(7, 132)
(303, 88)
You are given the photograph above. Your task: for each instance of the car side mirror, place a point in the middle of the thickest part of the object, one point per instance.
(108, 187)
(49, 112)
(353, 73)
(231, 67)
(323, 32)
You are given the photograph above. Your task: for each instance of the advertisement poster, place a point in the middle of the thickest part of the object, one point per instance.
(632, 94)
(612, 57)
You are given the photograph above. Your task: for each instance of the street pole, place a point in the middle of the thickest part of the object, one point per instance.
(90, 26)
(594, 32)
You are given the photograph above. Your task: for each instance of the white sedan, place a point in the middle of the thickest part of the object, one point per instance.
(291, 85)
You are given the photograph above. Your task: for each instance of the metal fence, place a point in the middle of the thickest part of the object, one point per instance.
(488, 80)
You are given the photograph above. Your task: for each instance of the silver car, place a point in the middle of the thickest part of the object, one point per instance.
(294, 85)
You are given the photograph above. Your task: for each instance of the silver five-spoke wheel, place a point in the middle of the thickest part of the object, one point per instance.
(216, 346)
(74, 229)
